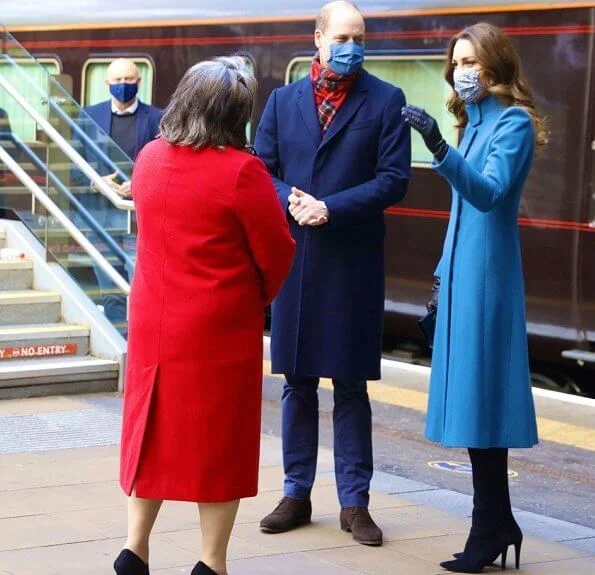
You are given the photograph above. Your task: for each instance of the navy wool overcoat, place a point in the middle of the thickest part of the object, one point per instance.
(480, 389)
(327, 319)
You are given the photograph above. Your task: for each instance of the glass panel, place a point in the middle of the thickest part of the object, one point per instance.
(422, 81)
(107, 226)
(20, 122)
(96, 91)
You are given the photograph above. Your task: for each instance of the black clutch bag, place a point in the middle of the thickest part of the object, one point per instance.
(427, 323)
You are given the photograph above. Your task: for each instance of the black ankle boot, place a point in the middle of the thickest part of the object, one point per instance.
(482, 551)
(201, 569)
(128, 563)
(513, 534)
(493, 528)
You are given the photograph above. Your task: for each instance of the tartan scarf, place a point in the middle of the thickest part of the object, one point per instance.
(330, 91)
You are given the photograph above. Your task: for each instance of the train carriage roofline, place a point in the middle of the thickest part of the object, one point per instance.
(167, 13)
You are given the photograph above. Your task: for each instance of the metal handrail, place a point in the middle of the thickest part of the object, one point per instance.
(74, 232)
(84, 213)
(61, 142)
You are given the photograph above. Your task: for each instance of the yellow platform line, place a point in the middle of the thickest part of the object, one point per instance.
(549, 429)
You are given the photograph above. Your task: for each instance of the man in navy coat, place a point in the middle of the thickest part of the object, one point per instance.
(124, 118)
(339, 153)
(130, 124)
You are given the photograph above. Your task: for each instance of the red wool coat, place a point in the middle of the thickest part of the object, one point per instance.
(213, 250)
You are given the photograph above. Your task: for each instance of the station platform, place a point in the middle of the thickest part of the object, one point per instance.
(62, 511)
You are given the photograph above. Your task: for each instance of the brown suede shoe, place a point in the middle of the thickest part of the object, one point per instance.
(289, 514)
(357, 521)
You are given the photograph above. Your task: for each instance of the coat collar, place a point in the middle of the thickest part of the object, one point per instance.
(307, 106)
(477, 111)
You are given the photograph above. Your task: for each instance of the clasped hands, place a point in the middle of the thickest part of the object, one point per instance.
(123, 189)
(306, 209)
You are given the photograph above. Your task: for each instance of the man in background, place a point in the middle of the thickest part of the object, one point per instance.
(131, 124)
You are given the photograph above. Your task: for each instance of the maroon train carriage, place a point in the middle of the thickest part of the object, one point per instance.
(405, 44)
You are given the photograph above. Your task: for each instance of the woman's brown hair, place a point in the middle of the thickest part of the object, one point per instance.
(211, 105)
(501, 75)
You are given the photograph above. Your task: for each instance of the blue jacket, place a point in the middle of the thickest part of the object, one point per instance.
(147, 122)
(327, 319)
(480, 389)
(147, 128)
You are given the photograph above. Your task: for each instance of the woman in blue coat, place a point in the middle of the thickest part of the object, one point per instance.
(480, 389)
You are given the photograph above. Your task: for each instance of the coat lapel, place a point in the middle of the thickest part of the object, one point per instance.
(142, 125)
(470, 133)
(351, 105)
(307, 106)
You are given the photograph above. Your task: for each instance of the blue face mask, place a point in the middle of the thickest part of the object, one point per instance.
(123, 92)
(347, 58)
(467, 85)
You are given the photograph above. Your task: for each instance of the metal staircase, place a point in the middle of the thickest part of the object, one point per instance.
(40, 354)
(56, 335)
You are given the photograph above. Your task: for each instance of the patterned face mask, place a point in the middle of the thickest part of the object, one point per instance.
(467, 84)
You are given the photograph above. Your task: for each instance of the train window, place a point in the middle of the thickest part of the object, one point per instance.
(422, 80)
(250, 124)
(31, 79)
(94, 90)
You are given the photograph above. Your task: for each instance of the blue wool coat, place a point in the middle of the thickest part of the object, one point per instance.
(327, 319)
(480, 391)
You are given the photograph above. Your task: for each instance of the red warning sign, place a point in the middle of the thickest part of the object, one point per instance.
(38, 351)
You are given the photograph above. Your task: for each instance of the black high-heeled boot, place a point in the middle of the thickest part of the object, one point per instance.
(513, 531)
(128, 563)
(491, 534)
(202, 569)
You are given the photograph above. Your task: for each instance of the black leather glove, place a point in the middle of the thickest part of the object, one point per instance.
(428, 128)
(432, 305)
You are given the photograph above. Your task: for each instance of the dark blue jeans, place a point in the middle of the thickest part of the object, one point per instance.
(352, 421)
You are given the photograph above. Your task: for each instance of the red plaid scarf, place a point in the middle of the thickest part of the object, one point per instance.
(330, 91)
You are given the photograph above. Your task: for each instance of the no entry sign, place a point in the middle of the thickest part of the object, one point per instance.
(38, 350)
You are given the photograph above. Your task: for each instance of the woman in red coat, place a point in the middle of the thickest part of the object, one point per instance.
(213, 250)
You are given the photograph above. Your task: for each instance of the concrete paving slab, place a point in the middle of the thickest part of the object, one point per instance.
(436, 549)
(190, 540)
(437, 519)
(379, 560)
(60, 498)
(289, 564)
(323, 533)
(87, 558)
(63, 467)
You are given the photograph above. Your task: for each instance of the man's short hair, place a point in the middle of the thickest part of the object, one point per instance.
(211, 105)
(325, 13)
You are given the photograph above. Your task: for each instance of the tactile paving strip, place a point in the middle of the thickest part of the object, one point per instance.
(60, 430)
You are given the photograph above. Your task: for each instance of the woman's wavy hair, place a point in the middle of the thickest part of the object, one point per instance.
(211, 105)
(501, 75)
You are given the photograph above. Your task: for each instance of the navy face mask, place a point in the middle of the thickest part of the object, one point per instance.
(347, 58)
(123, 92)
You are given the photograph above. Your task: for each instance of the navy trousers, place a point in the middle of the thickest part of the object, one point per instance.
(352, 421)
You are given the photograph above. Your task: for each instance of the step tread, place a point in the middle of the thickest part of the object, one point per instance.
(42, 331)
(28, 297)
(27, 368)
(23, 264)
